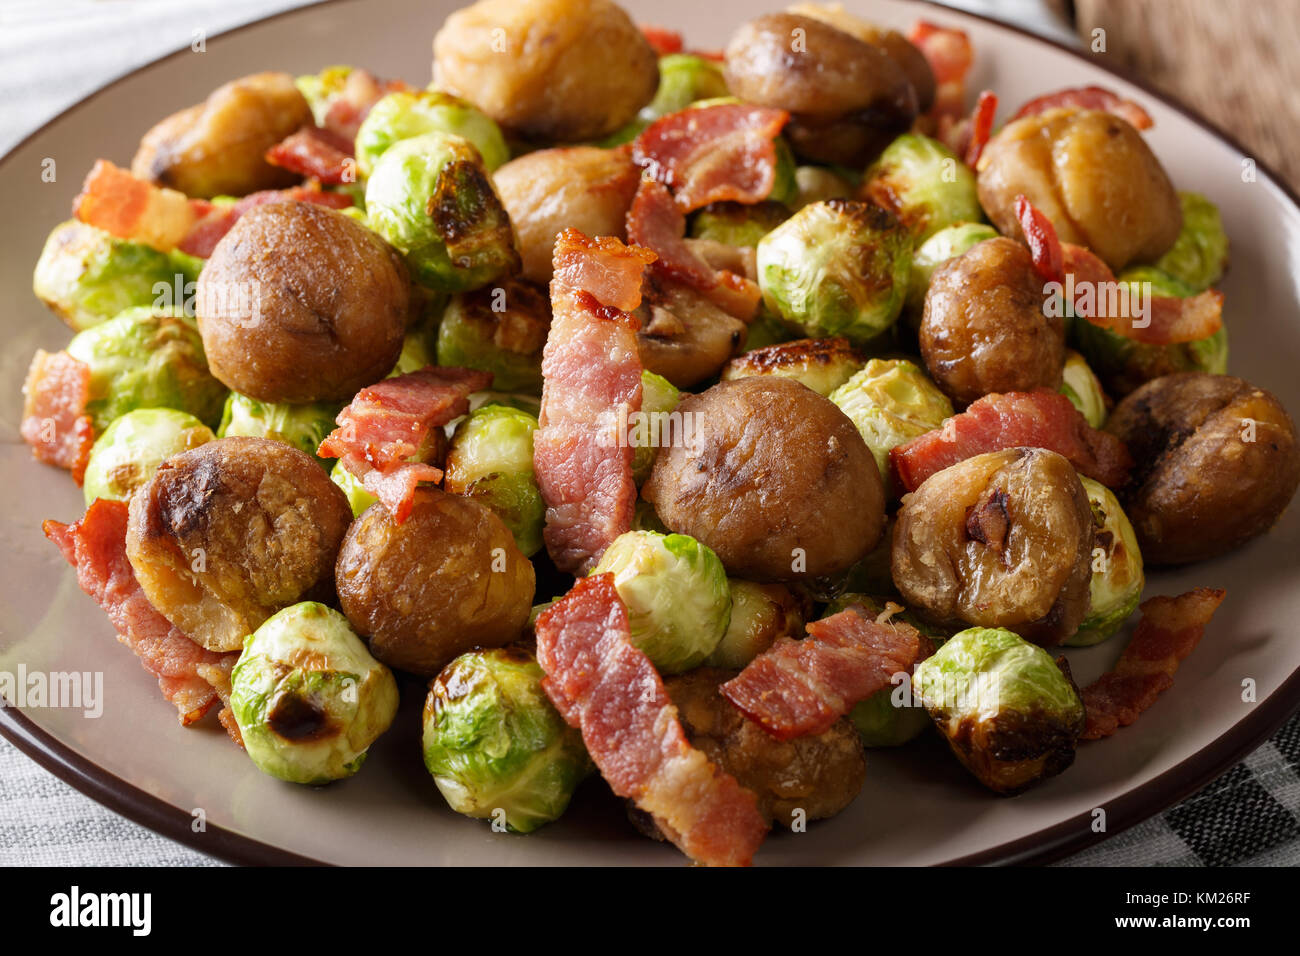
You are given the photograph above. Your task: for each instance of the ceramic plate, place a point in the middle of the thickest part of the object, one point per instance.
(918, 805)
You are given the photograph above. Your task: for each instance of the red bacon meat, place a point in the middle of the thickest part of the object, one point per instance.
(96, 547)
(796, 688)
(981, 126)
(590, 368)
(316, 153)
(602, 684)
(1038, 419)
(1088, 98)
(55, 422)
(204, 236)
(1169, 630)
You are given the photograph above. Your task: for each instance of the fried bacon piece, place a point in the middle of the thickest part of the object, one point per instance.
(1038, 419)
(663, 40)
(315, 153)
(1088, 282)
(96, 547)
(348, 107)
(1088, 98)
(981, 127)
(795, 688)
(1169, 630)
(55, 422)
(602, 684)
(591, 367)
(950, 55)
(713, 153)
(388, 432)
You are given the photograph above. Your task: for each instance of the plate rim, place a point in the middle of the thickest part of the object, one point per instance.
(1044, 846)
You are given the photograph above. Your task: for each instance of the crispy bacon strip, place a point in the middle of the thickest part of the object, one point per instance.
(605, 686)
(55, 422)
(590, 368)
(713, 153)
(204, 236)
(950, 55)
(1088, 98)
(316, 153)
(663, 40)
(388, 429)
(981, 126)
(1038, 419)
(1169, 630)
(1086, 281)
(96, 547)
(796, 688)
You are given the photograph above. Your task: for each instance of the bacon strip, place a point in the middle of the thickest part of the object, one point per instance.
(204, 236)
(590, 368)
(349, 107)
(1086, 279)
(55, 422)
(1038, 419)
(796, 688)
(713, 153)
(1088, 98)
(602, 684)
(388, 429)
(981, 126)
(663, 40)
(1169, 630)
(950, 55)
(96, 547)
(316, 153)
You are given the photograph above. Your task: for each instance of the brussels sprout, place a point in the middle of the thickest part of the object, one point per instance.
(737, 224)
(1123, 364)
(147, 358)
(491, 460)
(1200, 253)
(817, 184)
(1011, 715)
(677, 597)
(302, 426)
(402, 115)
(645, 518)
(767, 329)
(1083, 389)
(821, 364)
(947, 243)
(415, 353)
(924, 184)
(87, 276)
(501, 329)
(658, 398)
(432, 199)
(308, 697)
(760, 613)
(133, 446)
(891, 401)
(1117, 577)
(532, 404)
(321, 89)
(494, 744)
(836, 268)
(684, 78)
(358, 498)
(785, 187)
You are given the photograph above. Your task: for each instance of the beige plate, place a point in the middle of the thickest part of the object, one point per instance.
(918, 805)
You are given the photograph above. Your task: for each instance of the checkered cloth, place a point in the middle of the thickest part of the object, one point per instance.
(1250, 815)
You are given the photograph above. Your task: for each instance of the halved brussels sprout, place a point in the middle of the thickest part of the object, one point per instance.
(891, 401)
(87, 276)
(501, 329)
(1117, 575)
(432, 198)
(947, 243)
(737, 224)
(491, 461)
(760, 613)
(684, 78)
(836, 268)
(403, 115)
(821, 364)
(133, 446)
(817, 184)
(1083, 389)
(147, 358)
(308, 697)
(924, 184)
(677, 596)
(495, 746)
(302, 426)
(1200, 253)
(658, 399)
(358, 498)
(1010, 714)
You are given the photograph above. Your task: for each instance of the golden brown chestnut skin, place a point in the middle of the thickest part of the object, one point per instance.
(550, 190)
(1092, 174)
(447, 580)
(551, 71)
(1003, 539)
(225, 535)
(1217, 462)
(684, 337)
(984, 328)
(298, 303)
(218, 148)
(774, 478)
